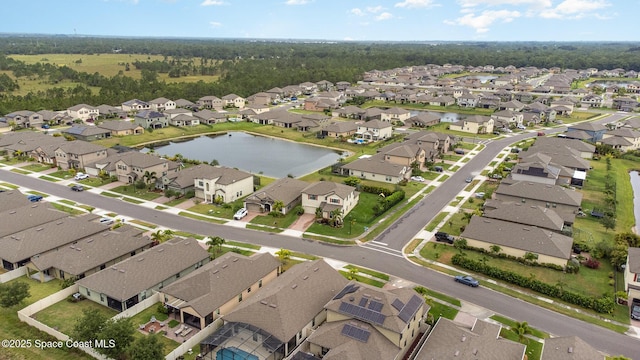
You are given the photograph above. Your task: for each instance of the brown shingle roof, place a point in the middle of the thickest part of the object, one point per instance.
(569, 348)
(146, 269)
(329, 188)
(285, 190)
(284, 306)
(12, 199)
(219, 281)
(27, 216)
(525, 214)
(542, 192)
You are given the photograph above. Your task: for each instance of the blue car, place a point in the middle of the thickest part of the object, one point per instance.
(34, 198)
(467, 280)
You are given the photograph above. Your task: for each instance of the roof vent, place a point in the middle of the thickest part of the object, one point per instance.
(273, 306)
(225, 266)
(235, 259)
(263, 302)
(161, 250)
(186, 243)
(366, 295)
(78, 249)
(526, 229)
(39, 229)
(315, 269)
(294, 286)
(140, 259)
(378, 298)
(570, 350)
(305, 277)
(60, 223)
(12, 212)
(114, 268)
(475, 351)
(216, 271)
(351, 298)
(121, 270)
(456, 353)
(464, 338)
(90, 240)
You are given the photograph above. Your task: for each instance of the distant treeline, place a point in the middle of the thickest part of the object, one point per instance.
(245, 67)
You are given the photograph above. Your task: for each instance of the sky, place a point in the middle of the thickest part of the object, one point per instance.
(339, 20)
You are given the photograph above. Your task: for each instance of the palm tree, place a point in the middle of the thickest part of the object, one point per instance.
(149, 177)
(521, 329)
(277, 206)
(215, 245)
(284, 255)
(336, 217)
(157, 237)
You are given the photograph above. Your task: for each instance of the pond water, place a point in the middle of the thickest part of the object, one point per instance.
(635, 184)
(255, 154)
(444, 116)
(608, 83)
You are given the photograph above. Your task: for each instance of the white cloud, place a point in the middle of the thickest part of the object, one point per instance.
(297, 2)
(212, 3)
(484, 20)
(374, 9)
(356, 12)
(384, 16)
(530, 3)
(414, 4)
(575, 9)
(215, 24)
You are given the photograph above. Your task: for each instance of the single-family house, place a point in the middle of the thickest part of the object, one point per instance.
(623, 139)
(212, 184)
(374, 130)
(423, 119)
(595, 131)
(131, 166)
(90, 255)
(209, 117)
(135, 105)
(518, 240)
(376, 168)
(151, 119)
(344, 129)
(508, 118)
(481, 341)
(395, 114)
(217, 288)
(540, 216)
(161, 104)
(24, 118)
(332, 198)
(404, 154)
(121, 286)
(553, 145)
(121, 127)
(632, 274)
(233, 100)
(564, 201)
(55, 117)
(26, 215)
(211, 102)
(538, 167)
(87, 132)
(279, 317)
(17, 249)
(83, 112)
(184, 103)
(625, 103)
(365, 322)
(591, 101)
(475, 124)
(184, 120)
(110, 112)
(286, 190)
(27, 143)
(77, 154)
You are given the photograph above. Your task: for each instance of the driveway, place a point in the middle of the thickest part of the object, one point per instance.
(303, 222)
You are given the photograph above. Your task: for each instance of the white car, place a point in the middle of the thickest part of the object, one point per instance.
(417, 178)
(240, 214)
(81, 176)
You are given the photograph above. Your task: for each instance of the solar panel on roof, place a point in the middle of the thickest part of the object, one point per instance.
(397, 304)
(375, 305)
(362, 313)
(356, 333)
(410, 309)
(363, 301)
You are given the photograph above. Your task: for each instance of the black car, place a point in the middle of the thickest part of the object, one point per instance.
(77, 188)
(635, 309)
(444, 237)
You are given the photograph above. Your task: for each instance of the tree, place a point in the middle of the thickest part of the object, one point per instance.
(150, 177)
(215, 245)
(521, 329)
(147, 348)
(284, 255)
(13, 293)
(118, 333)
(531, 257)
(353, 272)
(277, 206)
(89, 326)
(214, 162)
(495, 249)
(352, 181)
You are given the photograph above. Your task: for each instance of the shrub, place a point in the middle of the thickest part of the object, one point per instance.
(592, 263)
(162, 309)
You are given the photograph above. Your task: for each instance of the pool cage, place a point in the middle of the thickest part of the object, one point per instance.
(240, 341)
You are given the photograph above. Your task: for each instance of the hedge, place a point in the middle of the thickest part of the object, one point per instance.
(603, 304)
(376, 190)
(387, 202)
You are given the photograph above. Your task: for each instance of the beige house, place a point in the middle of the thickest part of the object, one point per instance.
(210, 102)
(632, 274)
(25, 118)
(77, 154)
(374, 130)
(518, 240)
(211, 183)
(622, 139)
(395, 114)
(90, 255)
(365, 322)
(131, 166)
(280, 316)
(376, 168)
(233, 100)
(345, 129)
(329, 196)
(286, 190)
(135, 105)
(162, 104)
(217, 288)
(121, 127)
(404, 154)
(83, 112)
(121, 286)
(476, 124)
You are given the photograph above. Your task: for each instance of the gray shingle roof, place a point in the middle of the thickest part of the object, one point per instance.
(634, 260)
(225, 175)
(284, 306)
(118, 125)
(49, 236)
(523, 237)
(80, 147)
(539, 216)
(569, 348)
(328, 188)
(221, 280)
(341, 127)
(27, 216)
(12, 199)
(448, 340)
(542, 192)
(85, 130)
(377, 165)
(91, 252)
(146, 269)
(285, 190)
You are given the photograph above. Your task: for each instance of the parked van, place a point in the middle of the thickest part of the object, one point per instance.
(438, 168)
(459, 151)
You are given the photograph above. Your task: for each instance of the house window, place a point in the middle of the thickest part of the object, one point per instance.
(178, 276)
(61, 274)
(388, 178)
(334, 201)
(200, 183)
(313, 197)
(88, 292)
(101, 297)
(260, 283)
(249, 289)
(240, 297)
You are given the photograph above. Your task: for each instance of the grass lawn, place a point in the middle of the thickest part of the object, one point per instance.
(63, 315)
(225, 212)
(508, 322)
(430, 175)
(376, 274)
(242, 245)
(467, 145)
(130, 190)
(133, 201)
(62, 174)
(441, 310)
(443, 297)
(453, 158)
(455, 223)
(95, 181)
(19, 171)
(436, 220)
(36, 167)
(67, 209)
(142, 223)
(12, 328)
(9, 186)
(279, 222)
(175, 202)
(362, 214)
(362, 279)
(534, 348)
(203, 218)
